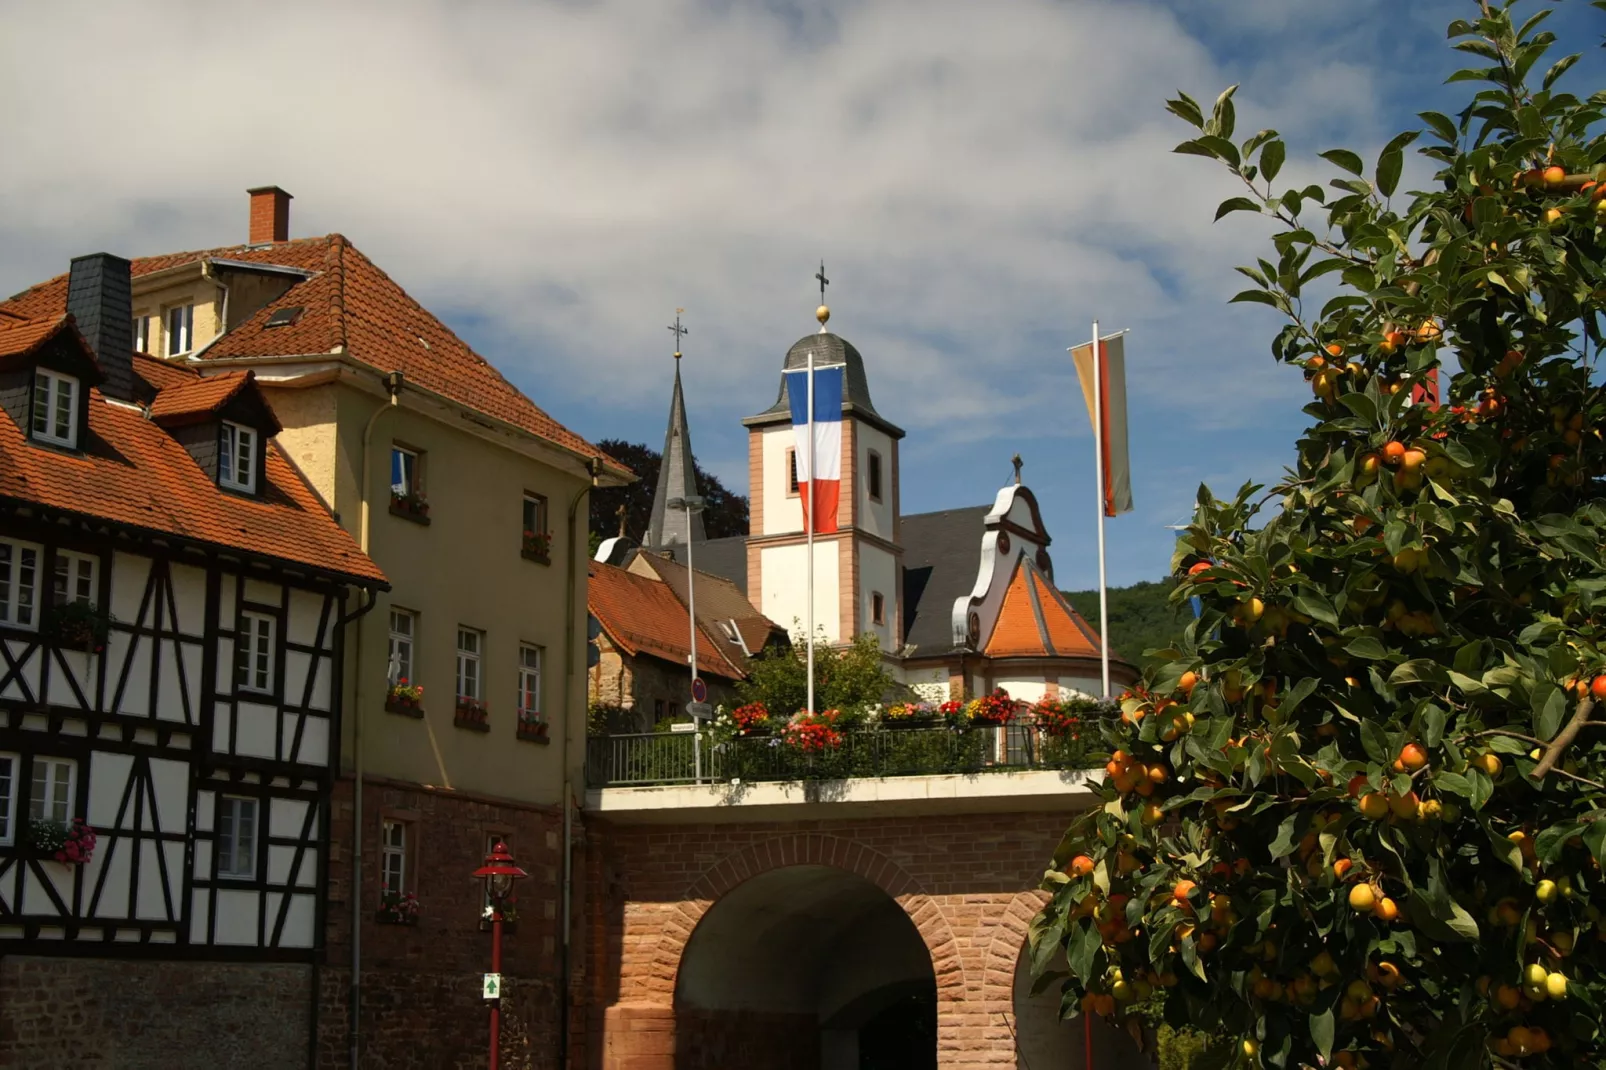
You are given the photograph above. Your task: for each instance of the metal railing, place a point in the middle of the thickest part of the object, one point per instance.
(688, 758)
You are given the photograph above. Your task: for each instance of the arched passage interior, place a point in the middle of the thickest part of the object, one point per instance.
(1045, 1041)
(806, 968)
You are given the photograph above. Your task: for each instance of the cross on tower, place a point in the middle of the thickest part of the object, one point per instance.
(679, 331)
(824, 282)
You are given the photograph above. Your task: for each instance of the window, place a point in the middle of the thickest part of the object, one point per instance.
(236, 837)
(875, 476)
(19, 580)
(660, 709)
(878, 608)
(403, 471)
(8, 798)
(791, 473)
(529, 681)
(237, 458)
(535, 514)
(393, 856)
(470, 643)
(254, 652)
(142, 334)
(403, 629)
(55, 407)
(180, 329)
(73, 579)
(50, 796)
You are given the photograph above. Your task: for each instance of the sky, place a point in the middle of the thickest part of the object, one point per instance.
(554, 180)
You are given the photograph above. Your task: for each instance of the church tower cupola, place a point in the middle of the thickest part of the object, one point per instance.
(677, 474)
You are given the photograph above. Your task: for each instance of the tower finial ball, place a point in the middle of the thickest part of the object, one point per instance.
(822, 314)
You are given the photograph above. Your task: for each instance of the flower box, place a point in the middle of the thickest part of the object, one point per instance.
(397, 908)
(510, 918)
(410, 506)
(532, 729)
(536, 546)
(76, 626)
(405, 699)
(472, 714)
(72, 843)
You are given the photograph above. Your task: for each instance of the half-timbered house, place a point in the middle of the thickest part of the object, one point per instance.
(173, 597)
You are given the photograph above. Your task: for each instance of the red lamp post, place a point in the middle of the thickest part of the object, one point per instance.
(499, 873)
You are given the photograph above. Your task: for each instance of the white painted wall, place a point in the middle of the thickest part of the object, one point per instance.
(784, 581)
(783, 511)
(1024, 689)
(878, 571)
(874, 517)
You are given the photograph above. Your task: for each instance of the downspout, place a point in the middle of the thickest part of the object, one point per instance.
(594, 467)
(393, 383)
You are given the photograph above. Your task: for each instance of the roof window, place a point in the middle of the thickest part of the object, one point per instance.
(285, 317)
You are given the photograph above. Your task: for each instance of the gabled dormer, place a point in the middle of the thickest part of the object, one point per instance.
(224, 422)
(46, 372)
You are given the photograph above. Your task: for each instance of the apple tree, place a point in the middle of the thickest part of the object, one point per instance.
(1356, 814)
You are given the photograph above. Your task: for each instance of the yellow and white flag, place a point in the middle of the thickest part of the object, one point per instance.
(1107, 390)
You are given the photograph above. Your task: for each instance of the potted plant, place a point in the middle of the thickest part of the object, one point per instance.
(472, 713)
(510, 916)
(907, 715)
(397, 908)
(71, 843)
(411, 504)
(814, 733)
(996, 708)
(537, 545)
(532, 726)
(76, 625)
(405, 698)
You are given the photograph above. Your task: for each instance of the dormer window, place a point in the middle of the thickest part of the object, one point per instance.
(237, 458)
(55, 408)
(180, 329)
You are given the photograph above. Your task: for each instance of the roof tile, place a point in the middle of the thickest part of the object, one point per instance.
(642, 615)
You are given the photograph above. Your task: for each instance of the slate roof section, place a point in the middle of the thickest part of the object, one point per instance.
(1035, 621)
(133, 473)
(828, 349)
(677, 478)
(349, 303)
(725, 557)
(940, 552)
(642, 616)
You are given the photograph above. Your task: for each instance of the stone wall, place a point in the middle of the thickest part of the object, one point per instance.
(639, 683)
(122, 1014)
(421, 1005)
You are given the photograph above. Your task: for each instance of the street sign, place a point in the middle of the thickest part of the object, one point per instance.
(700, 710)
(493, 986)
(699, 690)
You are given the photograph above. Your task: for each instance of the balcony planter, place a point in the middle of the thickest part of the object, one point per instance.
(72, 843)
(510, 918)
(533, 729)
(410, 506)
(406, 699)
(536, 546)
(472, 714)
(397, 908)
(76, 626)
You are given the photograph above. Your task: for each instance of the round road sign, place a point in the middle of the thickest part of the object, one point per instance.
(699, 690)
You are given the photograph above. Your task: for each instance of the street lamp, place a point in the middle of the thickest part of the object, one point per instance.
(499, 873)
(692, 505)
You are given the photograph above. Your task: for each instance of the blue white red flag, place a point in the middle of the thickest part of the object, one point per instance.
(818, 486)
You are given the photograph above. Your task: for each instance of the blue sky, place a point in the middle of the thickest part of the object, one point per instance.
(555, 179)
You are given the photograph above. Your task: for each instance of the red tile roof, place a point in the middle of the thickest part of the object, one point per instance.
(200, 398)
(1036, 621)
(349, 302)
(642, 616)
(134, 473)
(24, 337)
(718, 600)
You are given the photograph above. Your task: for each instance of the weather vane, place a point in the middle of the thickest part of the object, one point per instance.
(679, 331)
(822, 313)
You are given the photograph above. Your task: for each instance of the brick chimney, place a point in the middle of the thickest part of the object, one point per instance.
(100, 299)
(270, 215)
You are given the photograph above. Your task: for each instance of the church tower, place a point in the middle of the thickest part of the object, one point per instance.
(858, 569)
(677, 477)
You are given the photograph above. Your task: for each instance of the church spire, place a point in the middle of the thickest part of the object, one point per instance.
(677, 478)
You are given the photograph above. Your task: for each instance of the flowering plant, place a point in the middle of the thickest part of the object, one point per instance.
(996, 708)
(411, 502)
(472, 707)
(398, 908)
(956, 713)
(404, 692)
(814, 733)
(537, 543)
(908, 712)
(1057, 717)
(72, 842)
(77, 625)
(751, 719)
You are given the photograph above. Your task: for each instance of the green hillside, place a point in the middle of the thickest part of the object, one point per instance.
(1140, 617)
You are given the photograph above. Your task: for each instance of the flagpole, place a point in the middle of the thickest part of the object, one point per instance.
(808, 524)
(1098, 465)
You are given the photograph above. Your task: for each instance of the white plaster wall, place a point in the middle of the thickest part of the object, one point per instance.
(783, 512)
(878, 572)
(189, 592)
(1025, 689)
(785, 587)
(874, 517)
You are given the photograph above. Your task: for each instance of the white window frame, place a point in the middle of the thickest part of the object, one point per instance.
(142, 333)
(10, 779)
(54, 387)
(393, 850)
(530, 679)
(227, 833)
(470, 663)
(235, 441)
(22, 566)
(180, 334)
(45, 809)
(255, 643)
(69, 567)
(405, 482)
(407, 639)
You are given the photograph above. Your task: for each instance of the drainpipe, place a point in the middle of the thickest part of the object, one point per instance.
(594, 467)
(393, 383)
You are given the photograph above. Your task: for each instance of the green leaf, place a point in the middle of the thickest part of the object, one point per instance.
(1271, 158)
(1257, 297)
(1504, 849)
(1315, 605)
(1389, 164)
(1222, 118)
(1454, 783)
(1186, 109)
(1418, 671)
(1558, 69)
(1376, 742)
(1283, 843)
(1080, 949)
(1366, 647)
(1550, 706)
(1321, 1032)
(1344, 158)
(1237, 204)
(1441, 124)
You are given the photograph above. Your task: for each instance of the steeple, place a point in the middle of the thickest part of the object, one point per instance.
(677, 478)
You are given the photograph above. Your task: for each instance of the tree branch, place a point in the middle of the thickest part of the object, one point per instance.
(1582, 780)
(1552, 755)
